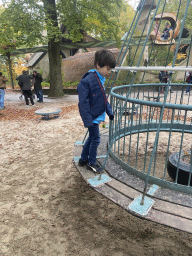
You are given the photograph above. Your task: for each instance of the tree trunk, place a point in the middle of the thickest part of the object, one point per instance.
(56, 88)
(10, 69)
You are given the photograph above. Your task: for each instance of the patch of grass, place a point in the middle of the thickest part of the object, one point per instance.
(70, 84)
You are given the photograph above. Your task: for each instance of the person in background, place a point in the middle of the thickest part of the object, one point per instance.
(37, 80)
(163, 79)
(93, 106)
(25, 81)
(20, 83)
(166, 31)
(3, 80)
(156, 28)
(189, 80)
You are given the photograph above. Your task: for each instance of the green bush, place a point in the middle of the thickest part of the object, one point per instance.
(45, 84)
(70, 84)
(65, 84)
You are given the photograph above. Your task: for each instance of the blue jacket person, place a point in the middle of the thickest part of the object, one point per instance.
(93, 105)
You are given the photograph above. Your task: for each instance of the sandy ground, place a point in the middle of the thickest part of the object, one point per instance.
(47, 209)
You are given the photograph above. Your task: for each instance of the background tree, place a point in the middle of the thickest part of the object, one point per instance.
(53, 36)
(125, 20)
(27, 19)
(15, 24)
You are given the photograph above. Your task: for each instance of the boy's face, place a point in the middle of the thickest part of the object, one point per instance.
(104, 71)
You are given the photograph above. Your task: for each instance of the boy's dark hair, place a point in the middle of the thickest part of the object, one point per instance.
(104, 58)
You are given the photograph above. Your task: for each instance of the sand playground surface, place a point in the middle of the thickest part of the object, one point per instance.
(46, 207)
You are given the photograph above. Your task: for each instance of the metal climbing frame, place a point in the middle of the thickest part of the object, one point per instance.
(151, 126)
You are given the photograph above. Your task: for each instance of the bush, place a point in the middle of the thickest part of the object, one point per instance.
(70, 84)
(65, 84)
(45, 84)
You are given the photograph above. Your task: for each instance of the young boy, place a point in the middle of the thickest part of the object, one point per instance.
(93, 104)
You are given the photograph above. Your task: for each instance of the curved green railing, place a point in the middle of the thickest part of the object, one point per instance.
(148, 128)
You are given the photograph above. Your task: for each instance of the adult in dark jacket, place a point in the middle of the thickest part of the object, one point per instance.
(25, 81)
(93, 104)
(37, 80)
(163, 79)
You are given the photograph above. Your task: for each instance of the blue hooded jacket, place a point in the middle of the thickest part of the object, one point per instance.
(92, 99)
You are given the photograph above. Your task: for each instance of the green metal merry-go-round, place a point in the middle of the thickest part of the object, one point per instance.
(146, 152)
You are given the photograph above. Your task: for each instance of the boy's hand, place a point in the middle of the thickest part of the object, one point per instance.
(111, 117)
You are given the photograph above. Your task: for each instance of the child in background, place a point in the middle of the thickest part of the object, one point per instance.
(93, 104)
(166, 31)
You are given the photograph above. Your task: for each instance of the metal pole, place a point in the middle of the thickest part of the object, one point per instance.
(155, 68)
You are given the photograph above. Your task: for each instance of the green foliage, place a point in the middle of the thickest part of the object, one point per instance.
(45, 84)
(64, 84)
(70, 84)
(23, 22)
(161, 55)
(126, 17)
(99, 18)
(21, 25)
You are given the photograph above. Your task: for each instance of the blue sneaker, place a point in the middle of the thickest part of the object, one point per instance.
(96, 168)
